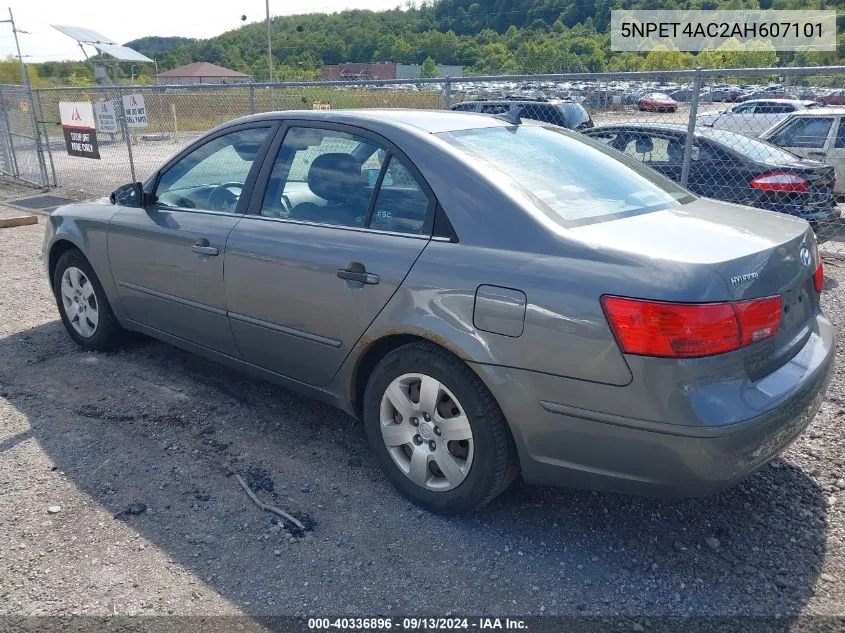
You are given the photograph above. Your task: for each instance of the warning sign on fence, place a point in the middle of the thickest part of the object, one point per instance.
(136, 111)
(78, 127)
(106, 121)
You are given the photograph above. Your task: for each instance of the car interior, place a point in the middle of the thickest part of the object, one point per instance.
(319, 178)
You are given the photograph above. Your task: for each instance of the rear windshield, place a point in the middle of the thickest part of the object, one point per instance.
(573, 179)
(755, 149)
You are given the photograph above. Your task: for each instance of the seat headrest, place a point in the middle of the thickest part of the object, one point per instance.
(336, 176)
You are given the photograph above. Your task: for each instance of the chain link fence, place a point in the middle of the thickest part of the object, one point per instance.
(772, 138)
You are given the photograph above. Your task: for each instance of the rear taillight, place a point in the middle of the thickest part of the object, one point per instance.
(687, 330)
(818, 277)
(780, 181)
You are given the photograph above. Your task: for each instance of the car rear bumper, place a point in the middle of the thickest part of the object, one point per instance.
(561, 444)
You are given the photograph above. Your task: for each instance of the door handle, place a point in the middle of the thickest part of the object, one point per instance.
(816, 153)
(203, 248)
(359, 276)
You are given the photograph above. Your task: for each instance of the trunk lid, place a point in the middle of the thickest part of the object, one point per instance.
(709, 251)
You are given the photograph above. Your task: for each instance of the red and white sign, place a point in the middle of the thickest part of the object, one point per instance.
(78, 128)
(135, 110)
(77, 114)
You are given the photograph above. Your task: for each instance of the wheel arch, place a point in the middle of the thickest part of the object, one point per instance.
(57, 249)
(376, 349)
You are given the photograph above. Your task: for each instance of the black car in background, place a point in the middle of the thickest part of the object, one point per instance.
(732, 167)
(564, 113)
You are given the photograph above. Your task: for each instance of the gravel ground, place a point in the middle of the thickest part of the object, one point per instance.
(117, 496)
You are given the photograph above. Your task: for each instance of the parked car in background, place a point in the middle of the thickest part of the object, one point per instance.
(732, 167)
(818, 134)
(722, 94)
(564, 113)
(684, 95)
(657, 102)
(832, 97)
(503, 296)
(752, 117)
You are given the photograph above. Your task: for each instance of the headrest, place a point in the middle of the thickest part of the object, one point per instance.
(334, 177)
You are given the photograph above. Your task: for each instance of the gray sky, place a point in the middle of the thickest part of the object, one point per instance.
(125, 20)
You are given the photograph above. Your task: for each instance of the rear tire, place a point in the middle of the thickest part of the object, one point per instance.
(451, 458)
(83, 306)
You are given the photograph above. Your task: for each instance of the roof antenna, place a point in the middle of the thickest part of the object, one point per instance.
(512, 115)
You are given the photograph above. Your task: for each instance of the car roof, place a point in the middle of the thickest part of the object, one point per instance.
(518, 101)
(430, 121)
(645, 127)
(675, 128)
(778, 100)
(824, 111)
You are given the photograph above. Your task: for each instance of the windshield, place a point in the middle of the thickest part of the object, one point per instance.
(755, 149)
(573, 179)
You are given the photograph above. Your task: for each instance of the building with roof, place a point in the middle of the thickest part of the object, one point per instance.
(202, 73)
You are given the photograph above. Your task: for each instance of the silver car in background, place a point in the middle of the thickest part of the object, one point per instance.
(488, 296)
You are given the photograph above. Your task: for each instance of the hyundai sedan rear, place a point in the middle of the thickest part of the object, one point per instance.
(489, 297)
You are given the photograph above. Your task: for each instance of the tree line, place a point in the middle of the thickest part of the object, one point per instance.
(495, 37)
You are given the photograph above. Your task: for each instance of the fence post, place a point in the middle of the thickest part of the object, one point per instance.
(39, 151)
(447, 92)
(251, 99)
(40, 113)
(693, 112)
(125, 127)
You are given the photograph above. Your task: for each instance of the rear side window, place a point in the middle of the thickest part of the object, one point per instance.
(575, 116)
(804, 132)
(840, 135)
(569, 178)
(401, 205)
(752, 148)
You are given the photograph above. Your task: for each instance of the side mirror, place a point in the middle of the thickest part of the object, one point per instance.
(130, 195)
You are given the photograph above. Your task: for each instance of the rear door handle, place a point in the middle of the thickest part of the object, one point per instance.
(354, 275)
(203, 248)
(816, 153)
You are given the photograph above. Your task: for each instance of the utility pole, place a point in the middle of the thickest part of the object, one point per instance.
(24, 74)
(269, 42)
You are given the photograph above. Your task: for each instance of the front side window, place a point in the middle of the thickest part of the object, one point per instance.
(331, 177)
(212, 177)
(808, 132)
(570, 178)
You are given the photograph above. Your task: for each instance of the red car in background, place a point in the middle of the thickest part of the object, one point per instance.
(833, 97)
(657, 102)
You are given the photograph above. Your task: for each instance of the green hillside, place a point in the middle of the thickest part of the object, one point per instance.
(498, 36)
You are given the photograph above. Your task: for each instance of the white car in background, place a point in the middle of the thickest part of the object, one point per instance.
(818, 134)
(753, 117)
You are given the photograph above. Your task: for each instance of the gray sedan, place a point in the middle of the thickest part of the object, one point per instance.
(488, 296)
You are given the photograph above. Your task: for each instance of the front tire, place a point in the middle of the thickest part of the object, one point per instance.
(437, 431)
(83, 306)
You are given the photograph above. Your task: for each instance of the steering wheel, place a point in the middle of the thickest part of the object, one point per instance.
(222, 198)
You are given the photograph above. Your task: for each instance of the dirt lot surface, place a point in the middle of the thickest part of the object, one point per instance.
(118, 496)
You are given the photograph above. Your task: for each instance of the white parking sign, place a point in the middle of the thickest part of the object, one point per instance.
(104, 113)
(136, 111)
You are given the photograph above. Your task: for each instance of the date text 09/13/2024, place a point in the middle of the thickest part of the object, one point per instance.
(416, 624)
